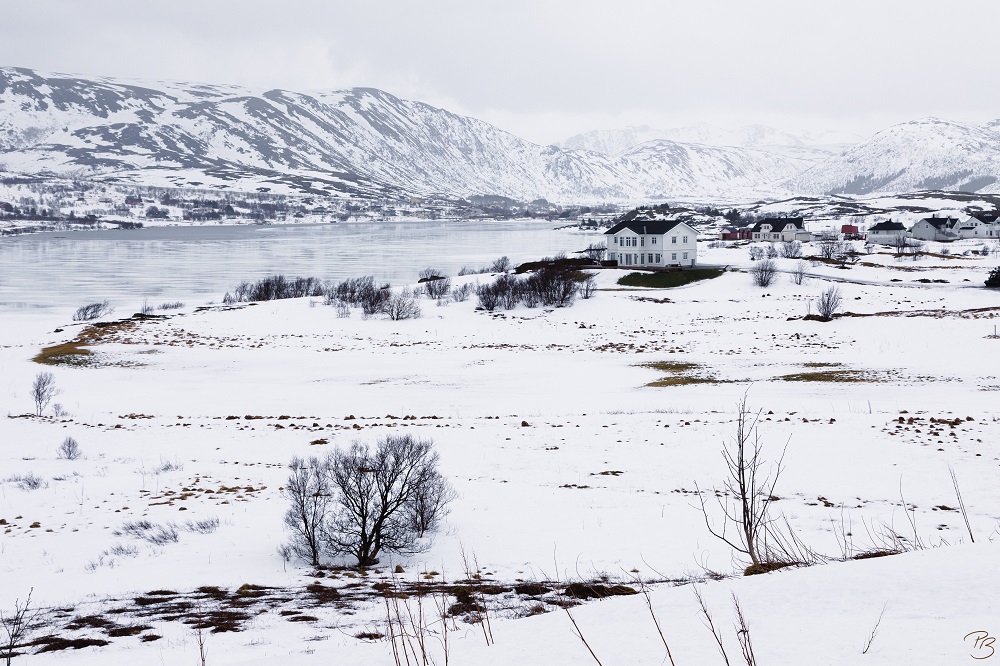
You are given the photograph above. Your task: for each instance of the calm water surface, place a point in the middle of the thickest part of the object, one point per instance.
(199, 264)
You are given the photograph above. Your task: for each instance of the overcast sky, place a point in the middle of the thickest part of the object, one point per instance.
(549, 69)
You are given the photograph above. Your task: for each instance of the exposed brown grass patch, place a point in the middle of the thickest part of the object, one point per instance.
(838, 376)
(682, 380)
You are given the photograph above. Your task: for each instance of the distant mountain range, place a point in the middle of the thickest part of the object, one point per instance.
(364, 142)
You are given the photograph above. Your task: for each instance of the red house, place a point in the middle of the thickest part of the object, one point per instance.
(734, 233)
(850, 232)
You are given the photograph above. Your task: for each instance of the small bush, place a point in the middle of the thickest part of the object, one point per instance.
(756, 253)
(28, 481)
(829, 302)
(69, 450)
(173, 305)
(462, 293)
(93, 311)
(764, 272)
(401, 305)
(791, 249)
(158, 535)
(206, 526)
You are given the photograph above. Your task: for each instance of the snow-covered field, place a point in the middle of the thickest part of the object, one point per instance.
(569, 465)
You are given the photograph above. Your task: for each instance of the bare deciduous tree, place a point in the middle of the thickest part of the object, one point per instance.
(764, 272)
(93, 311)
(402, 305)
(375, 493)
(43, 389)
(595, 251)
(747, 491)
(799, 273)
(829, 302)
(308, 492)
(791, 249)
(16, 625)
(501, 265)
(588, 288)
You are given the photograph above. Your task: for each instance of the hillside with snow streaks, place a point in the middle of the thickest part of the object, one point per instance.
(358, 142)
(926, 154)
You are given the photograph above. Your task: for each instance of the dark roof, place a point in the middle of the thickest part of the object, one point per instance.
(888, 226)
(938, 222)
(779, 223)
(657, 227)
(987, 217)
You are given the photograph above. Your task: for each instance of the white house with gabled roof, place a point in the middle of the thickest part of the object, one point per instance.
(653, 243)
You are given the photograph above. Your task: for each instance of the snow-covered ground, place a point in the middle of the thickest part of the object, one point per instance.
(568, 463)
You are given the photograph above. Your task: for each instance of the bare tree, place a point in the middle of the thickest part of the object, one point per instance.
(16, 625)
(375, 493)
(595, 251)
(402, 305)
(764, 272)
(43, 390)
(829, 302)
(430, 503)
(308, 493)
(588, 288)
(747, 491)
(438, 288)
(830, 249)
(501, 265)
(69, 450)
(791, 249)
(799, 272)
(900, 243)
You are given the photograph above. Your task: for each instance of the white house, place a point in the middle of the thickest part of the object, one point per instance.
(941, 229)
(652, 243)
(981, 225)
(886, 233)
(780, 229)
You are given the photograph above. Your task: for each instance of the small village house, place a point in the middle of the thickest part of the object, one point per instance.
(780, 229)
(886, 233)
(940, 229)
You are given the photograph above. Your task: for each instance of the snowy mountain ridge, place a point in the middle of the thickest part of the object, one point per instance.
(357, 142)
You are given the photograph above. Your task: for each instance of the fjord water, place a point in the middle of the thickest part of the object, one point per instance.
(63, 270)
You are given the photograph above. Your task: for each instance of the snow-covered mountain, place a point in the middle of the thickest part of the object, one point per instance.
(358, 142)
(813, 146)
(927, 154)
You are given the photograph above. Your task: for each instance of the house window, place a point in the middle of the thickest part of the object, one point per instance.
(642, 241)
(612, 256)
(685, 255)
(616, 240)
(673, 239)
(673, 256)
(653, 240)
(684, 240)
(657, 259)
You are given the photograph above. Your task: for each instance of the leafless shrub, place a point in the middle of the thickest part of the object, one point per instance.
(167, 466)
(710, 623)
(764, 272)
(756, 253)
(595, 251)
(204, 526)
(501, 265)
(829, 302)
(69, 450)
(799, 273)
(401, 305)
(830, 249)
(791, 249)
(275, 287)
(122, 550)
(588, 288)
(158, 535)
(43, 389)
(146, 309)
(430, 503)
(438, 289)
(373, 300)
(770, 251)
(489, 297)
(170, 305)
(93, 311)
(28, 481)
(462, 293)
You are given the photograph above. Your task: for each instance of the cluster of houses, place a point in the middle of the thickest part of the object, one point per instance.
(940, 229)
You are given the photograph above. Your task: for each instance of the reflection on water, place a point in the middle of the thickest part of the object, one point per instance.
(201, 263)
